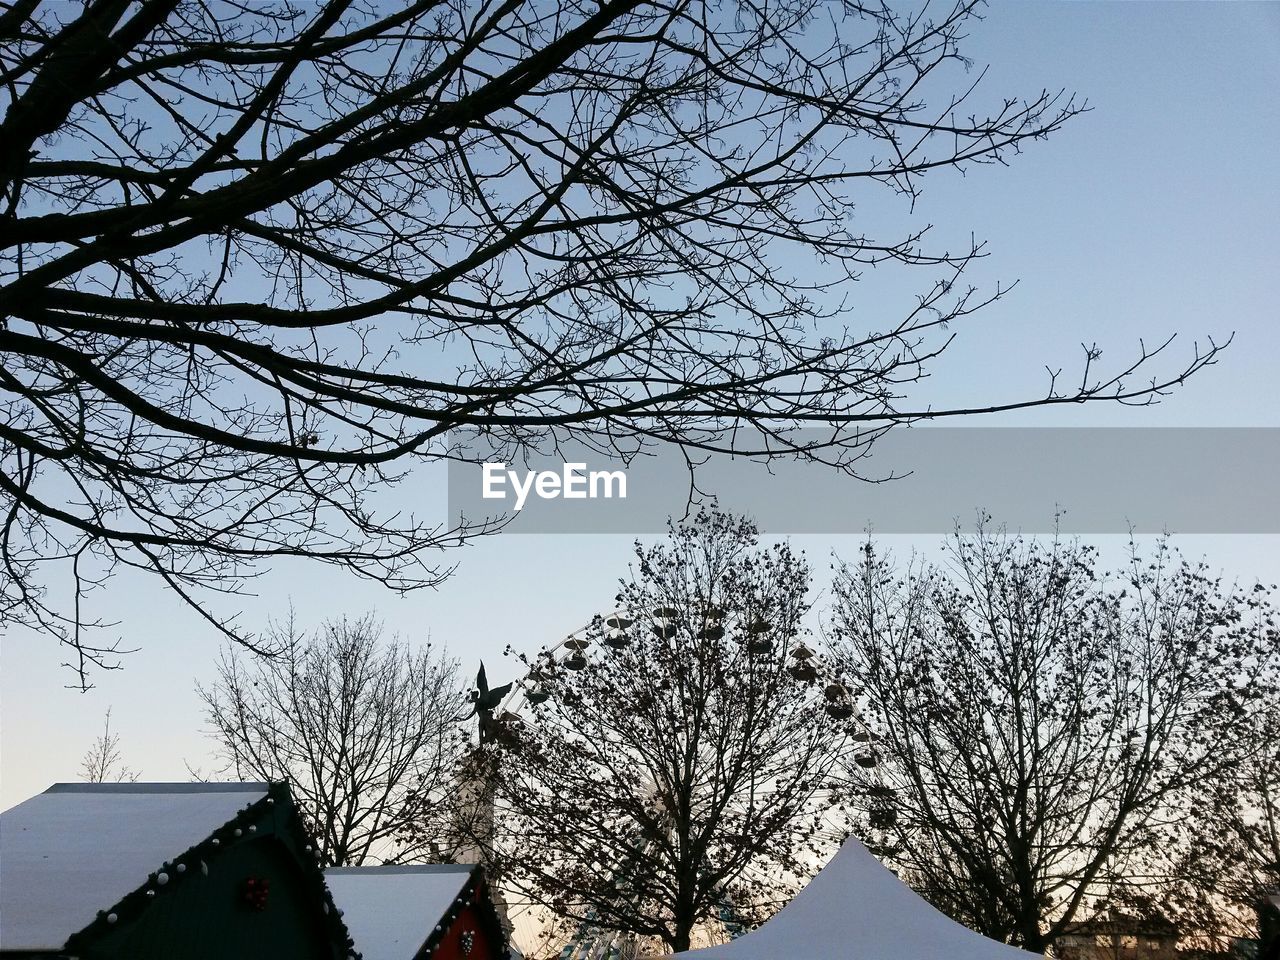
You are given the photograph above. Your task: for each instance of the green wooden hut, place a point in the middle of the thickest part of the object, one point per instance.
(147, 871)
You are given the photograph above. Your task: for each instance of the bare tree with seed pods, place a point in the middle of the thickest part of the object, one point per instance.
(1048, 733)
(363, 731)
(261, 259)
(672, 772)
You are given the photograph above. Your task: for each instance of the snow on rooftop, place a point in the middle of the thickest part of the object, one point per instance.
(390, 911)
(856, 909)
(78, 848)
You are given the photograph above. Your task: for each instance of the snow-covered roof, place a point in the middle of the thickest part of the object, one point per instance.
(856, 909)
(390, 911)
(78, 848)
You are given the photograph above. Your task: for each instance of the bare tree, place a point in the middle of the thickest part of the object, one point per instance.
(261, 258)
(1046, 731)
(673, 769)
(1227, 858)
(103, 762)
(363, 731)
(1252, 813)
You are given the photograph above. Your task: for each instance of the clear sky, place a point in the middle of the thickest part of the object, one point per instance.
(1157, 212)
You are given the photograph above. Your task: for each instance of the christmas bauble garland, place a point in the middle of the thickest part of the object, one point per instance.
(469, 897)
(195, 862)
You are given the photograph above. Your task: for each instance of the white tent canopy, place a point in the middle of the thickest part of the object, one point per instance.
(856, 909)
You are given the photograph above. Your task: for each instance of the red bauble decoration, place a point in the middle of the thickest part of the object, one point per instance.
(254, 892)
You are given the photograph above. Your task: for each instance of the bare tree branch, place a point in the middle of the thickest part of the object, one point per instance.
(102, 762)
(260, 260)
(678, 771)
(362, 731)
(1048, 732)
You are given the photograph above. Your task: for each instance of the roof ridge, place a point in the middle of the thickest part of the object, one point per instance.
(160, 787)
(398, 868)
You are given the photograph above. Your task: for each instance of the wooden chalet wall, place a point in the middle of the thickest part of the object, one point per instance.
(209, 903)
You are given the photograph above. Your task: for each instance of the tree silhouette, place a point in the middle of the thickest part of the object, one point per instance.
(103, 761)
(363, 731)
(673, 771)
(1047, 732)
(1226, 860)
(259, 259)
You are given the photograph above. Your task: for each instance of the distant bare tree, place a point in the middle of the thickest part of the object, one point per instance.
(363, 731)
(258, 259)
(674, 768)
(102, 762)
(1047, 732)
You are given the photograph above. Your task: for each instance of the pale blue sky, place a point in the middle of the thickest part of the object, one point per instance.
(1157, 212)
